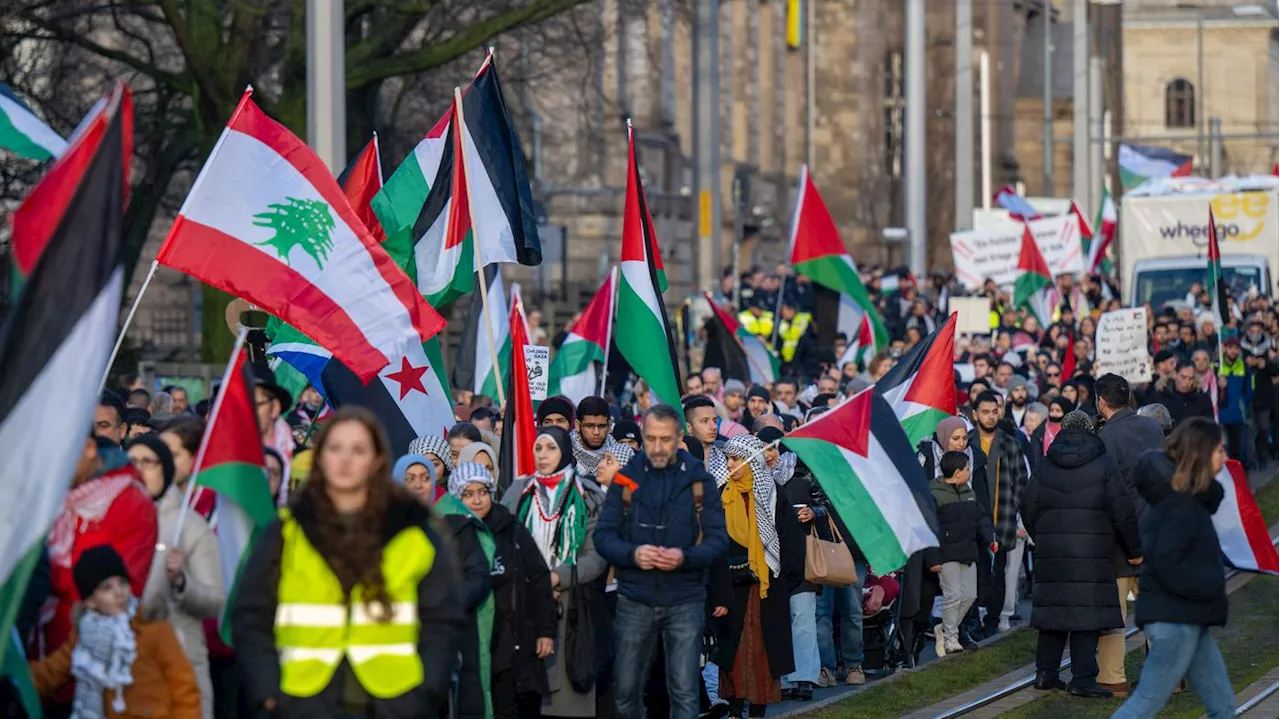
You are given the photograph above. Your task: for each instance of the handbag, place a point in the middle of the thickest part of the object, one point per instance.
(828, 563)
(588, 635)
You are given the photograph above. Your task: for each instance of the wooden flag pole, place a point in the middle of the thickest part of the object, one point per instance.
(608, 334)
(482, 286)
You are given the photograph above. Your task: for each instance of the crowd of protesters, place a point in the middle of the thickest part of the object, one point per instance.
(654, 563)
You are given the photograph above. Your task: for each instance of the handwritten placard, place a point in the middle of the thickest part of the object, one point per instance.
(537, 361)
(1122, 346)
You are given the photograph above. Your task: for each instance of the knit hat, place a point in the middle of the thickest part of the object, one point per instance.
(555, 405)
(734, 386)
(758, 391)
(769, 434)
(162, 453)
(627, 429)
(95, 566)
(1077, 419)
(468, 473)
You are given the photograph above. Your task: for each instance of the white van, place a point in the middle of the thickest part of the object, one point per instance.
(1166, 280)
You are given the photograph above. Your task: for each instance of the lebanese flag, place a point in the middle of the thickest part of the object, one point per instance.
(921, 386)
(1019, 209)
(265, 221)
(1242, 531)
(1034, 287)
(742, 355)
(647, 343)
(518, 427)
(867, 466)
(360, 182)
(575, 371)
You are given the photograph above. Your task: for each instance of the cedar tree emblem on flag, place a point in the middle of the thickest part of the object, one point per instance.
(300, 223)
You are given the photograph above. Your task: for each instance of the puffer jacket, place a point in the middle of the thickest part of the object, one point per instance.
(1076, 509)
(963, 525)
(1127, 435)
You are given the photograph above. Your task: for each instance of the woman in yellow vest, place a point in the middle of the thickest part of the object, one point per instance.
(346, 606)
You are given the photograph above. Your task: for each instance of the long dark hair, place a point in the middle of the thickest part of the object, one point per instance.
(355, 557)
(1191, 447)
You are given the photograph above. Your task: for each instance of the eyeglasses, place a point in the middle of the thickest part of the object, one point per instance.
(596, 427)
(144, 462)
(1051, 375)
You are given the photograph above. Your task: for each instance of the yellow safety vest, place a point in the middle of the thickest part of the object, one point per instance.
(791, 332)
(761, 326)
(317, 624)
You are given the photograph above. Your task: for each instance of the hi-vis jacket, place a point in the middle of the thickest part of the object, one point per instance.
(303, 640)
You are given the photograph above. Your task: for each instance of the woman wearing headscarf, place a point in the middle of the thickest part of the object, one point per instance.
(439, 455)
(473, 548)
(951, 435)
(1048, 430)
(524, 624)
(752, 588)
(560, 510)
(479, 453)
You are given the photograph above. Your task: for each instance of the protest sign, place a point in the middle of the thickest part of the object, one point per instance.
(993, 252)
(537, 362)
(1122, 345)
(973, 315)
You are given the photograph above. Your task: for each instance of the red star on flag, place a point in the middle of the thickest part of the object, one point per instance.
(409, 377)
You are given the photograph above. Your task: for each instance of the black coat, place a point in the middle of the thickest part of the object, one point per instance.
(799, 490)
(1185, 405)
(473, 589)
(524, 606)
(1182, 579)
(439, 611)
(1076, 509)
(1127, 435)
(963, 525)
(775, 609)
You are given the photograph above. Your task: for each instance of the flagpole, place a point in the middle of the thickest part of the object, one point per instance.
(128, 320)
(475, 243)
(782, 283)
(608, 333)
(204, 441)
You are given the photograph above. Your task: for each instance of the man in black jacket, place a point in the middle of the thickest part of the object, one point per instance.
(1185, 400)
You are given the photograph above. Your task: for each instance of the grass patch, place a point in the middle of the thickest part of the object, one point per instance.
(937, 681)
(1268, 501)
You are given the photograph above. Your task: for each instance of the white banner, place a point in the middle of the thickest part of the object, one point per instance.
(537, 362)
(992, 253)
(1122, 346)
(973, 315)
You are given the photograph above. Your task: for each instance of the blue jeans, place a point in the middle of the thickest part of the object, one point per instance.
(637, 628)
(804, 640)
(1179, 650)
(848, 601)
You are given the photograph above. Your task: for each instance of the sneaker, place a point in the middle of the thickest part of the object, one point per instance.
(826, 678)
(953, 646)
(939, 645)
(1003, 626)
(803, 692)
(718, 710)
(855, 677)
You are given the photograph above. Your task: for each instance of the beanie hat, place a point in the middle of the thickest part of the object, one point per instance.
(758, 391)
(626, 429)
(1077, 419)
(555, 405)
(734, 386)
(95, 566)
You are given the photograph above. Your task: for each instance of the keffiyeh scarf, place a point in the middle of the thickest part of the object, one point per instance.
(587, 459)
(717, 466)
(103, 661)
(764, 492)
(87, 503)
(786, 468)
(436, 446)
(938, 451)
(467, 473)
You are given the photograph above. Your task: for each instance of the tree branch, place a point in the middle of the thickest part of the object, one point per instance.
(172, 80)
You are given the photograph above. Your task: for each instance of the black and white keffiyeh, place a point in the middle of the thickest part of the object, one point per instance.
(103, 661)
(587, 459)
(764, 490)
(786, 468)
(436, 446)
(717, 466)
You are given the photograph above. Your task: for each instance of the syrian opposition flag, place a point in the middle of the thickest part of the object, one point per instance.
(575, 371)
(1018, 207)
(518, 427)
(818, 253)
(473, 367)
(1214, 284)
(1139, 163)
(54, 347)
(646, 341)
(1242, 530)
(24, 134)
(1034, 287)
(1105, 225)
(921, 386)
(744, 356)
(230, 463)
(868, 468)
(360, 182)
(265, 221)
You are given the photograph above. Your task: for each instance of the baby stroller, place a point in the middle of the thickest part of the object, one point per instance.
(882, 640)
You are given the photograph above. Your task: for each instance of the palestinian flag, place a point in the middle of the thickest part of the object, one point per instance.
(575, 371)
(500, 199)
(265, 221)
(641, 311)
(741, 354)
(473, 367)
(868, 468)
(1139, 163)
(921, 386)
(1214, 283)
(54, 348)
(24, 134)
(1105, 224)
(518, 427)
(862, 343)
(230, 463)
(1242, 530)
(818, 253)
(360, 182)
(1034, 287)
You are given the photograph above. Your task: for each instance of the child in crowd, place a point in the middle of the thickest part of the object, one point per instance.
(963, 528)
(124, 667)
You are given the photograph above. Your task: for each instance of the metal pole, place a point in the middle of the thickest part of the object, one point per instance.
(810, 84)
(1200, 90)
(984, 109)
(326, 82)
(706, 136)
(1097, 166)
(740, 204)
(1048, 101)
(917, 230)
(1080, 98)
(1215, 147)
(964, 115)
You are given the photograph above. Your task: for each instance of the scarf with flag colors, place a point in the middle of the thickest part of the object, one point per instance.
(744, 355)
(24, 134)
(640, 307)
(1242, 530)
(473, 369)
(1034, 288)
(54, 348)
(575, 371)
(265, 221)
(516, 451)
(921, 386)
(868, 469)
(230, 463)
(818, 253)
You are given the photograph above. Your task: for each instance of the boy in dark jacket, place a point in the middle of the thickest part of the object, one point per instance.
(963, 526)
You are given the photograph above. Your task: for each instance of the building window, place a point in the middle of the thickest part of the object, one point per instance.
(1180, 104)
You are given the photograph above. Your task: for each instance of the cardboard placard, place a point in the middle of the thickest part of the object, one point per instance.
(973, 315)
(537, 362)
(1122, 345)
